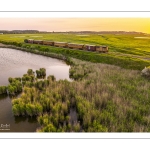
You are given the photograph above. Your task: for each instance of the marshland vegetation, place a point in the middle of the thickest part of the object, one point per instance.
(108, 93)
(105, 98)
(15, 63)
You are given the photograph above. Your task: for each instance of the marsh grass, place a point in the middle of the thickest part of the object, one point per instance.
(121, 97)
(106, 99)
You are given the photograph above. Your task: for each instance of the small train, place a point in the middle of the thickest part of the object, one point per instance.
(93, 48)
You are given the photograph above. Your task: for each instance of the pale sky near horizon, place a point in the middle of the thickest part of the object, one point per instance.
(76, 24)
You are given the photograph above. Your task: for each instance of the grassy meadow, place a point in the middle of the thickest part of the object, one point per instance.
(108, 93)
(126, 51)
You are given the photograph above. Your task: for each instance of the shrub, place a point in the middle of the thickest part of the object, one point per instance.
(11, 89)
(30, 109)
(38, 109)
(10, 79)
(41, 72)
(16, 110)
(146, 72)
(49, 128)
(3, 89)
(51, 77)
(30, 72)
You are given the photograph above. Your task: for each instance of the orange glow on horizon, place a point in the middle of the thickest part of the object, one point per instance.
(76, 24)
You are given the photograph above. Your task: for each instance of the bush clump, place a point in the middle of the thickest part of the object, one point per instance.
(3, 89)
(25, 40)
(146, 72)
(41, 73)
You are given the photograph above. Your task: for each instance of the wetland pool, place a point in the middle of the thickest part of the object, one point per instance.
(15, 63)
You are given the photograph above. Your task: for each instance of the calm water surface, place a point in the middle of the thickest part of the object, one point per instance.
(15, 63)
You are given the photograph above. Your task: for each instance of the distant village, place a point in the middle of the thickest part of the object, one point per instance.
(67, 32)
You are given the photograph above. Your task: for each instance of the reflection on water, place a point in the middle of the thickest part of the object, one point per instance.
(15, 63)
(24, 119)
(20, 119)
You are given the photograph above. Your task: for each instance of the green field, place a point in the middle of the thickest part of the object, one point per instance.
(126, 51)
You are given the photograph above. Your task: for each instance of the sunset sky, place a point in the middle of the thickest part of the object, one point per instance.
(76, 24)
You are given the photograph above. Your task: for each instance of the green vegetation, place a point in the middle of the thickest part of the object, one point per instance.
(25, 40)
(3, 89)
(15, 86)
(41, 73)
(28, 80)
(125, 51)
(30, 72)
(104, 97)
